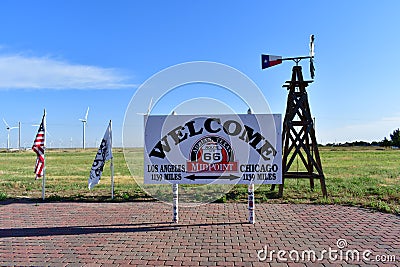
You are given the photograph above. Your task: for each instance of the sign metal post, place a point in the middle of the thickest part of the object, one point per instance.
(175, 203)
(251, 203)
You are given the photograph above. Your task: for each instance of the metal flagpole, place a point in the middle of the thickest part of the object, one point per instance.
(111, 164)
(112, 177)
(19, 135)
(44, 155)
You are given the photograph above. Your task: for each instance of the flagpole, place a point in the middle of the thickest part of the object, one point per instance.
(111, 164)
(112, 178)
(44, 155)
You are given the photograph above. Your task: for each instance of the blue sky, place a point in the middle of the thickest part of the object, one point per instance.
(67, 55)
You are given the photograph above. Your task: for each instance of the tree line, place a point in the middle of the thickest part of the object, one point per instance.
(393, 142)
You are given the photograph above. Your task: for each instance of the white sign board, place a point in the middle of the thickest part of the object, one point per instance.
(221, 149)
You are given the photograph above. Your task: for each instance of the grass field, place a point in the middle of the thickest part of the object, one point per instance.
(366, 177)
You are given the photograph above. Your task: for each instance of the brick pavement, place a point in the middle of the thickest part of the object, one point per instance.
(140, 233)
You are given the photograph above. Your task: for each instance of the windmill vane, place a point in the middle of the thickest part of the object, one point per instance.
(271, 60)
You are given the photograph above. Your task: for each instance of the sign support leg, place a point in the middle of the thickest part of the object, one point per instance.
(175, 203)
(251, 203)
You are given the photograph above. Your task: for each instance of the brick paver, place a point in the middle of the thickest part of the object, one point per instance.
(141, 233)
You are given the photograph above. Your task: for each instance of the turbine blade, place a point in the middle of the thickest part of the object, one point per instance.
(149, 108)
(87, 113)
(8, 126)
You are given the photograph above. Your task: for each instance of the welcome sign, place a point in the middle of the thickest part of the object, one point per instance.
(221, 149)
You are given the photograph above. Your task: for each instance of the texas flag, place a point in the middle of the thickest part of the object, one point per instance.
(269, 61)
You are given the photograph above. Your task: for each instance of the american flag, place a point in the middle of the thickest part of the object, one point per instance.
(38, 147)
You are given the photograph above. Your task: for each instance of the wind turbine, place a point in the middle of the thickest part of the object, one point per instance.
(8, 128)
(84, 121)
(148, 109)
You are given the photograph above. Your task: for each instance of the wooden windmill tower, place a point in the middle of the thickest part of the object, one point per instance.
(298, 136)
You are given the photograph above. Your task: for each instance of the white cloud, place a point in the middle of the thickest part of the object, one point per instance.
(20, 72)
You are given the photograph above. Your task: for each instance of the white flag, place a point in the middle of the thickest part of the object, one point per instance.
(104, 153)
